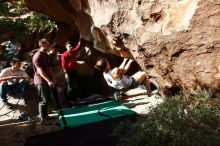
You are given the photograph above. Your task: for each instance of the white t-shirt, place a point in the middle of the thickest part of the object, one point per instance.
(124, 82)
(8, 72)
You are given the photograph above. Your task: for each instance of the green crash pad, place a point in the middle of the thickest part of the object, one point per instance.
(73, 117)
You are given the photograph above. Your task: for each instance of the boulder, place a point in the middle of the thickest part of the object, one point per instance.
(176, 42)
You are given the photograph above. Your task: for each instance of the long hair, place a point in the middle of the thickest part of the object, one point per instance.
(101, 64)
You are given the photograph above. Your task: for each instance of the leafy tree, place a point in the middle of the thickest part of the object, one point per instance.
(11, 13)
(39, 22)
(4, 8)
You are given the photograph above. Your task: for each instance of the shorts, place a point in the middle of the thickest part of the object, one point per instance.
(134, 84)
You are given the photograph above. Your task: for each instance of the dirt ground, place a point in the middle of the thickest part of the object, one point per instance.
(13, 132)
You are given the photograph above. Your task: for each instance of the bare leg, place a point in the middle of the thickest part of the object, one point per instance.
(141, 77)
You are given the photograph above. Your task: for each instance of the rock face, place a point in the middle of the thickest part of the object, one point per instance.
(176, 42)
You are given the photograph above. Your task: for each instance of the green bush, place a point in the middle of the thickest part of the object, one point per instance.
(39, 22)
(4, 8)
(34, 22)
(180, 121)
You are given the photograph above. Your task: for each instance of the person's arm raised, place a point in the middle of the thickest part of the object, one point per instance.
(128, 65)
(125, 66)
(76, 49)
(123, 63)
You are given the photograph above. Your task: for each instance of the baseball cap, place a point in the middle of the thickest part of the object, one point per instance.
(17, 57)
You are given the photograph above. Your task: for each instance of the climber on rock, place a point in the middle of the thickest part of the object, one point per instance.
(117, 78)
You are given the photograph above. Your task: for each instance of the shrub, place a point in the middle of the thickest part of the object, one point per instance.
(4, 8)
(39, 22)
(34, 22)
(181, 120)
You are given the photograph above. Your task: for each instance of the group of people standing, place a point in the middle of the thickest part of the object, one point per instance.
(44, 76)
(44, 63)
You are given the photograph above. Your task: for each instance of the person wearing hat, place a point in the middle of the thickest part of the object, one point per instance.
(13, 79)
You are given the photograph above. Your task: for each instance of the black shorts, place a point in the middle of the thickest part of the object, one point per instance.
(134, 84)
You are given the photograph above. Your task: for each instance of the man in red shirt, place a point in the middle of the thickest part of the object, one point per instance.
(69, 65)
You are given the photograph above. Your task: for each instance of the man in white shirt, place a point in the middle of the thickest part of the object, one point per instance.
(13, 79)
